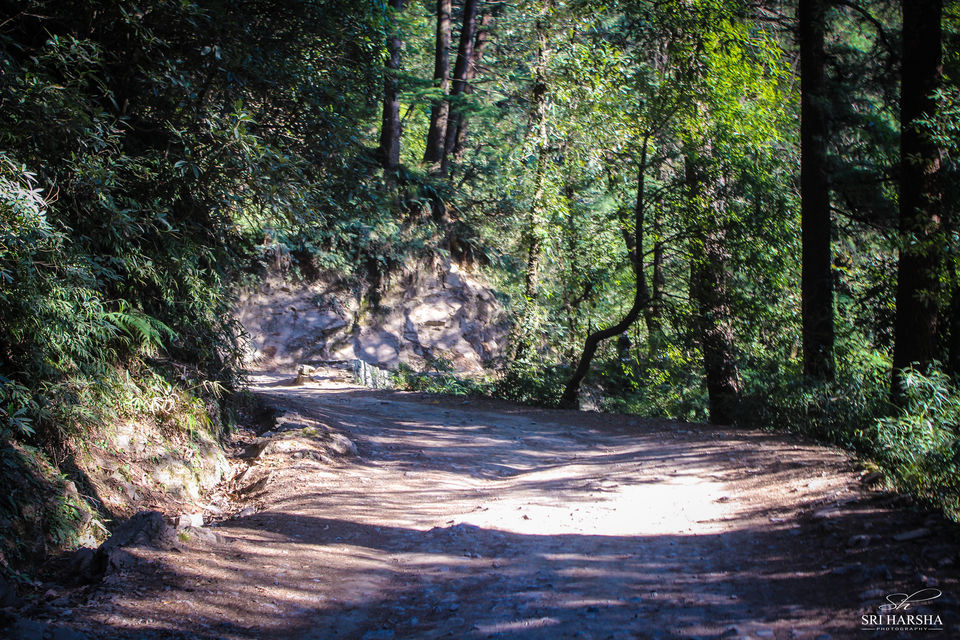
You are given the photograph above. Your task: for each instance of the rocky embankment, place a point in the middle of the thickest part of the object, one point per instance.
(423, 316)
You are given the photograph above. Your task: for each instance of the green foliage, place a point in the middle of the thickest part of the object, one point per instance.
(836, 412)
(920, 446)
(437, 377)
(528, 381)
(154, 156)
(670, 385)
(39, 515)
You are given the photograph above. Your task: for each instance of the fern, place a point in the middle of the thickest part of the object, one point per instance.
(146, 332)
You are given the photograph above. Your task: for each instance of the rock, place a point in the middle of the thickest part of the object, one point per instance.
(826, 514)
(430, 310)
(189, 520)
(144, 528)
(342, 444)
(83, 563)
(303, 374)
(246, 512)
(763, 633)
(286, 425)
(876, 573)
(201, 534)
(257, 486)
(928, 581)
(914, 534)
(255, 449)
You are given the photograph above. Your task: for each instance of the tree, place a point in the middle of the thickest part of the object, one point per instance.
(708, 290)
(533, 233)
(440, 109)
(816, 277)
(460, 72)
(389, 151)
(459, 124)
(921, 251)
(641, 296)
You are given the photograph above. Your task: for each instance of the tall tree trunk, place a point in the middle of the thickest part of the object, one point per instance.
(456, 131)
(641, 296)
(464, 60)
(459, 123)
(653, 312)
(441, 80)
(390, 128)
(708, 291)
(537, 214)
(921, 254)
(816, 278)
(534, 232)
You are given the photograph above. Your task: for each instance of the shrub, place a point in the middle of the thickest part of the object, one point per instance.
(920, 446)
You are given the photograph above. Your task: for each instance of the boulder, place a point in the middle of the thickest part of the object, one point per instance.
(341, 444)
(144, 529)
(188, 520)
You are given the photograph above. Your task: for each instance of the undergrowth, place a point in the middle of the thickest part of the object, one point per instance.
(44, 511)
(920, 445)
(527, 385)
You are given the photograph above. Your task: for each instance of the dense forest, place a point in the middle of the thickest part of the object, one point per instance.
(728, 211)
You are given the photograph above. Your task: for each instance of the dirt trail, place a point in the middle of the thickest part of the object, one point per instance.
(481, 519)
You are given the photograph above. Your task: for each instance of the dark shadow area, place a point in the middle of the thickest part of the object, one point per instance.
(470, 582)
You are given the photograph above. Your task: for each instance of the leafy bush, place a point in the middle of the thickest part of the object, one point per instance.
(437, 377)
(668, 386)
(920, 446)
(531, 383)
(528, 381)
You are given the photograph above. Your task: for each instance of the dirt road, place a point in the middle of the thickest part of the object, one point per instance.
(481, 519)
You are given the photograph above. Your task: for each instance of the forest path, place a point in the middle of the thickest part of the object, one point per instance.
(482, 519)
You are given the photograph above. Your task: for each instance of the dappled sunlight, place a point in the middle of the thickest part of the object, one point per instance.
(481, 524)
(524, 582)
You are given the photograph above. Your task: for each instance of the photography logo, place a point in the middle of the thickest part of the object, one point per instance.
(905, 612)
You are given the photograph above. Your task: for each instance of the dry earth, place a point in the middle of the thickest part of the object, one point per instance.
(481, 519)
